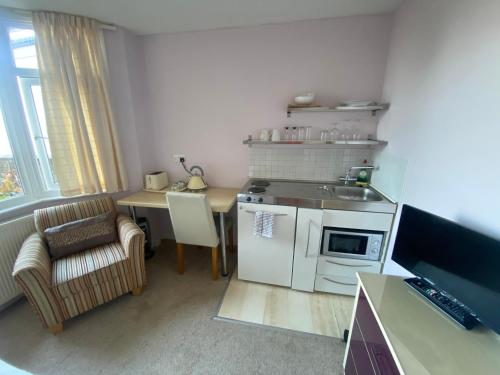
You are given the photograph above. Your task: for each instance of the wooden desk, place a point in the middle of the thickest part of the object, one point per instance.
(394, 330)
(221, 201)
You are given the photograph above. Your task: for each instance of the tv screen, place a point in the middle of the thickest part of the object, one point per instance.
(462, 262)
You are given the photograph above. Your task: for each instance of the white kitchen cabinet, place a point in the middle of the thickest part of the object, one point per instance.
(346, 267)
(358, 220)
(307, 246)
(266, 260)
(336, 284)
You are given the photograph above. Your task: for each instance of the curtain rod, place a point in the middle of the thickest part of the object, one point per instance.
(24, 12)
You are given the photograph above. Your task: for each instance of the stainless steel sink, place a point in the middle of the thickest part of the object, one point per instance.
(360, 194)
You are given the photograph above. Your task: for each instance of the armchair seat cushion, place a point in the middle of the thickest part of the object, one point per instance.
(84, 270)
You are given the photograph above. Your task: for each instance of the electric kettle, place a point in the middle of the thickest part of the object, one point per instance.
(196, 181)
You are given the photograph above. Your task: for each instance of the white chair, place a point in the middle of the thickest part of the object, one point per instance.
(193, 224)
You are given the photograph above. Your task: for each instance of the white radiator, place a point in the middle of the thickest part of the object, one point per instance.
(12, 235)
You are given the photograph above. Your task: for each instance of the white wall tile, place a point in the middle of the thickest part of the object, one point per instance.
(304, 164)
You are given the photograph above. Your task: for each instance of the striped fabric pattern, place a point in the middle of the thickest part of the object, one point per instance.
(80, 271)
(70, 286)
(32, 271)
(132, 239)
(59, 215)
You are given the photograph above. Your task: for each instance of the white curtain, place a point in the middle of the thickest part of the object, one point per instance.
(74, 79)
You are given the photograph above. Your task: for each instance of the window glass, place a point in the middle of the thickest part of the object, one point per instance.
(31, 94)
(22, 42)
(10, 184)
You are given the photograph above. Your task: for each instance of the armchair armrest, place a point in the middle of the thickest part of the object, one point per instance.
(132, 240)
(33, 272)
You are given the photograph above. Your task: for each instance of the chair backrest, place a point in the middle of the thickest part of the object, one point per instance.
(192, 219)
(65, 213)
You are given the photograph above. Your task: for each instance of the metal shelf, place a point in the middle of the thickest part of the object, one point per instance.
(373, 109)
(366, 144)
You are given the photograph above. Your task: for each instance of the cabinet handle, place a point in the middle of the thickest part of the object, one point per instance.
(311, 222)
(339, 282)
(272, 213)
(348, 265)
(308, 237)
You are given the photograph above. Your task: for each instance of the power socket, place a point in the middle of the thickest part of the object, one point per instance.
(179, 158)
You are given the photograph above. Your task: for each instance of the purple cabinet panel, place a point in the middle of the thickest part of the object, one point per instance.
(359, 352)
(377, 347)
(350, 367)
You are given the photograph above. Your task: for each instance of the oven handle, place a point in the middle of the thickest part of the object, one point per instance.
(348, 265)
(339, 282)
(272, 213)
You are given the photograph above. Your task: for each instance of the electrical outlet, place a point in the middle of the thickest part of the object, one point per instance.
(179, 158)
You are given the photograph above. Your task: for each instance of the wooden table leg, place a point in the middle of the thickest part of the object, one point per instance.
(180, 258)
(215, 263)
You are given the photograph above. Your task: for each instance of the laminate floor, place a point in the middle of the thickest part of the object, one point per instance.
(318, 313)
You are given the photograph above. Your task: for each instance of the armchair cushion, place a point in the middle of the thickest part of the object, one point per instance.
(81, 235)
(86, 269)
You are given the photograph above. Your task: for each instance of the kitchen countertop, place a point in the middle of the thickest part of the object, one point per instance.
(424, 340)
(220, 199)
(319, 195)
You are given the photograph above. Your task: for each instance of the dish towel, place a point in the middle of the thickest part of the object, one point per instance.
(263, 224)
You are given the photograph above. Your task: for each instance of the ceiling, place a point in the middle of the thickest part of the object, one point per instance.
(167, 16)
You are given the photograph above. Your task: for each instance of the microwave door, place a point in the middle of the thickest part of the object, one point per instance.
(347, 244)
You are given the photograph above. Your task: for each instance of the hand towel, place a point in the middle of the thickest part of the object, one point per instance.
(263, 224)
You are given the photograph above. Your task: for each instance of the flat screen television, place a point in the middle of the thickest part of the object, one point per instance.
(458, 260)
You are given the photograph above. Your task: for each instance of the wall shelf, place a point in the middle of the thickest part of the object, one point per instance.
(363, 144)
(373, 109)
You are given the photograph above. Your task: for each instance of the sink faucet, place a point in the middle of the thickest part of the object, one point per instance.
(348, 177)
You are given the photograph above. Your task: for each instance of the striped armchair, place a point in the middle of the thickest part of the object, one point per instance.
(66, 287)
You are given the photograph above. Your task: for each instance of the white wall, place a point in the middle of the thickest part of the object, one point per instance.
(208, 90)
(443, 83)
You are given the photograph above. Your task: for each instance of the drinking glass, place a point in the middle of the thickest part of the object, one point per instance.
(334, 133)
(302, 133)
(308, 133)
(286, 133)
(324, 135)
(294, 133)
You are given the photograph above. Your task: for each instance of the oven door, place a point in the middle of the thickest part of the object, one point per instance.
(347, 244)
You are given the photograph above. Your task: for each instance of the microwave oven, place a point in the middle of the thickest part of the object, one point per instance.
(352, 243)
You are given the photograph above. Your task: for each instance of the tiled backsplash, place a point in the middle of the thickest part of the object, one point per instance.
(324, 164)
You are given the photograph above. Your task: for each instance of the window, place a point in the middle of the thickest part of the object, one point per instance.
(26, 168)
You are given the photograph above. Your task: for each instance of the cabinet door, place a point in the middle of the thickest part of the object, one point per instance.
(307, 244)
(266, 260)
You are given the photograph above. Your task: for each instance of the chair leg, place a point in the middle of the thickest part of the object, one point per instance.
(137, 291)
(180, 258)
(56, 328)
(215, 263)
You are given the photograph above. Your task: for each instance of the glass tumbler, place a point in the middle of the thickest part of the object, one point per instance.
(324, 135)
(286, 133)
(302, 133)
(308, 133)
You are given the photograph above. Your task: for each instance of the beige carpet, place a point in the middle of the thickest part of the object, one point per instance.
(317, 313)
(169, 329)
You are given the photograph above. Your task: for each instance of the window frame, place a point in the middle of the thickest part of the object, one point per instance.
(16, 122)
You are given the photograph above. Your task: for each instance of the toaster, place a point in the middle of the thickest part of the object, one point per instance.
(156, 181)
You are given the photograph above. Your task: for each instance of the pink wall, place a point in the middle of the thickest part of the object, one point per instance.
(442, 80)
(208, 90)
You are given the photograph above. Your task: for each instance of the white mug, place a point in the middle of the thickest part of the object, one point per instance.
(264, 135)
(276, 135)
